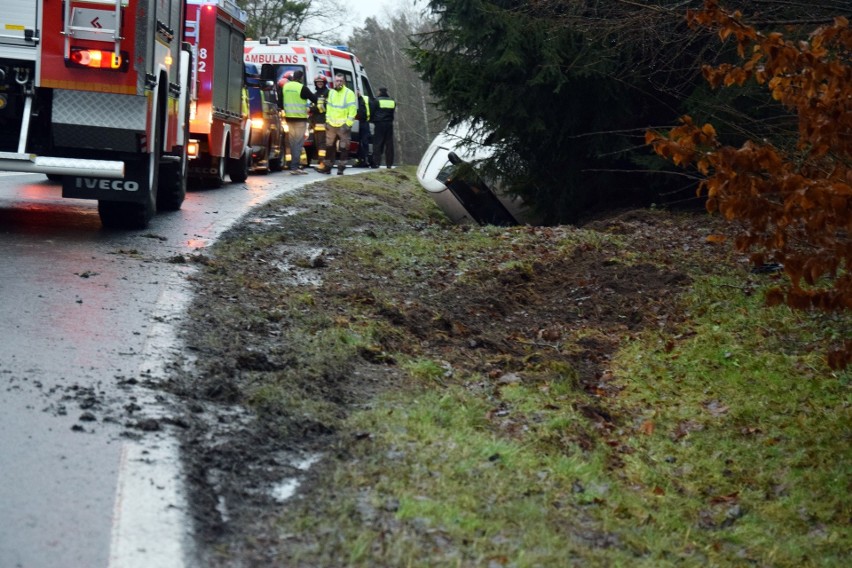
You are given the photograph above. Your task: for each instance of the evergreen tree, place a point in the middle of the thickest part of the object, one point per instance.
(567, 89)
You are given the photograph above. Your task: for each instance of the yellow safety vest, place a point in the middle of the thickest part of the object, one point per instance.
(341, 107)
(294, 105)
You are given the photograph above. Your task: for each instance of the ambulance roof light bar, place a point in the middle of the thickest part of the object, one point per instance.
(280, 41)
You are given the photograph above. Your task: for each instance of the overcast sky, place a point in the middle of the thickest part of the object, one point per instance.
(379, 9)
(369, 9)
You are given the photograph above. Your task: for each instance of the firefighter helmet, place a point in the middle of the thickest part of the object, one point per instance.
(285, 78)
(320, 79)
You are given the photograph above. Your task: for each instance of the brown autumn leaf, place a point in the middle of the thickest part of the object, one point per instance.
(729, 498)
(777, 196)
(647, 428)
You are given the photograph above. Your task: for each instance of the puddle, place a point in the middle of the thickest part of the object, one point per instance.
(274, 217)
(302, 264)
(287, 487)
(299, 276)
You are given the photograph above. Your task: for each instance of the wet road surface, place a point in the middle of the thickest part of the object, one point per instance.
(85, 314)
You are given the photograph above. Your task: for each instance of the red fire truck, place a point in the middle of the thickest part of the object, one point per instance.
(95, 92)
(215, 30)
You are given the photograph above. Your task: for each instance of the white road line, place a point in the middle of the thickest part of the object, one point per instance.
(149, 524)
(151, 527)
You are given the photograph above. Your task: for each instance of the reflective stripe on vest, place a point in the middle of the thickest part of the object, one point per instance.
(341, 108)
(294, 105)
(387, 103)
(366, 105)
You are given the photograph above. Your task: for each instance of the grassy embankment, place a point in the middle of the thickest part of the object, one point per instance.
(724, 438)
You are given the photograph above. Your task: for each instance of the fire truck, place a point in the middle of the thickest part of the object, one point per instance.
(219, 127)
(95, 92)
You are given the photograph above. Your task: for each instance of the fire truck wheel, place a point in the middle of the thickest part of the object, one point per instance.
(218, 179)
(136, 215)
(172, 190)
(174, 176)
(238, 169)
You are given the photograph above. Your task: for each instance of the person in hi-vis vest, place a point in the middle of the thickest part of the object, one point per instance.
(295, 99)
(382, 115)
(340, 110)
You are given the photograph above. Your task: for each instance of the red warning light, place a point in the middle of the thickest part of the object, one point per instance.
(97, 59)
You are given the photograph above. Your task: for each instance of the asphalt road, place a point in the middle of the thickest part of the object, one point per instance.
(85, 314)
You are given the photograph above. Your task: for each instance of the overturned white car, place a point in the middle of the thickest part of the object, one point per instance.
(448, 173)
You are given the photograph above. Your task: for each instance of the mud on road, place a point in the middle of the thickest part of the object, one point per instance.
(281, 296)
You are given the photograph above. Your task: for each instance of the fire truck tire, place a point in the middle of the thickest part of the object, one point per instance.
(217, 180)
(238, 168)
(174, 176)
(172, 190)
(135, 215)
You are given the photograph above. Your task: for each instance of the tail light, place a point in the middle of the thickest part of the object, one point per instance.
(98, 59)
(192, 149)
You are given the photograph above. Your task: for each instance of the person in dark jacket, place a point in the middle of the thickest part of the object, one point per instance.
(381, 115)
(317, 118)
(364, 158)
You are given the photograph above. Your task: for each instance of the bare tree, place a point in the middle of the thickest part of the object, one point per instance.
(317, 19)
(381, 47)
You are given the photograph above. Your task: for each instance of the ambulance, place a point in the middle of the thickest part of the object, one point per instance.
(278, 57)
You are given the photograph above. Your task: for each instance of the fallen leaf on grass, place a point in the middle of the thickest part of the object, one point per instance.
(729, 498)
(685, 427)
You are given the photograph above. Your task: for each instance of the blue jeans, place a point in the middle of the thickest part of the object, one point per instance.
(296, 133)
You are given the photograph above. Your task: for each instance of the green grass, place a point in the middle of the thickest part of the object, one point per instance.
(727, 443)
(748, 423)
(746, 459)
